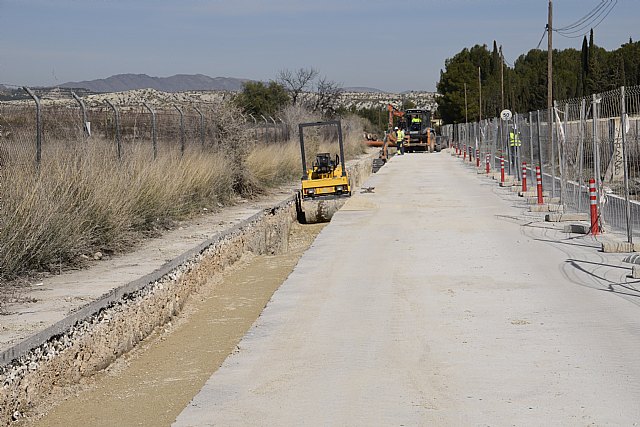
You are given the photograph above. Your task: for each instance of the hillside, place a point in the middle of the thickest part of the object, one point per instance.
(177, 83)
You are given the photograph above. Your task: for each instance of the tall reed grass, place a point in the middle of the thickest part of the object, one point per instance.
(81, 202)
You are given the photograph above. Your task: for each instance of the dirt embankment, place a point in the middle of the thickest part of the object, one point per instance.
(93, 344)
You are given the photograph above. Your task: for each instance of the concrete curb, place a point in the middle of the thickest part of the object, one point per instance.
(577, 229)
(566, 217)
(545, 200)
(612, 246)
(547, 207)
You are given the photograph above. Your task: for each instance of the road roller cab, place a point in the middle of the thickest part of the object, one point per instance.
(326, 183)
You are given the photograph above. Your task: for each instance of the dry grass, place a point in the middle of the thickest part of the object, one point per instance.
(86, 201)
(79, 204)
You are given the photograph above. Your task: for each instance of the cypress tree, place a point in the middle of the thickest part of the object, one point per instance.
(584, 69)
(594, 81)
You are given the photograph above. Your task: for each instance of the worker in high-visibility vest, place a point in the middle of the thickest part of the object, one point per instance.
(514, 148)
(415, 123)
(514, 139)
(399, 141)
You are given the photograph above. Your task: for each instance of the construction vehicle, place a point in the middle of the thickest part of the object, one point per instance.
(393, 112)
(325, 186)
(420, 136)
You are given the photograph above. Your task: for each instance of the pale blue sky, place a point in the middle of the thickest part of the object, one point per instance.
(393, 45)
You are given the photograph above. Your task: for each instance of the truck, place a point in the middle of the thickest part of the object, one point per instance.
(420, 136)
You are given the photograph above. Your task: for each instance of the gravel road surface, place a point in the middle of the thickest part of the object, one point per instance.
(437, 300)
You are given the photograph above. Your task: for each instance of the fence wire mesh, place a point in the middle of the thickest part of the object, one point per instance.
(595, 137)
(120, 131)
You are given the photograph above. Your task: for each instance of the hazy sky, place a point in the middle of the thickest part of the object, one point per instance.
(394, 45)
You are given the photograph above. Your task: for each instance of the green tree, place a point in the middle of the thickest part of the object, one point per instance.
(257, 98)
(461, 71)
(595, 80)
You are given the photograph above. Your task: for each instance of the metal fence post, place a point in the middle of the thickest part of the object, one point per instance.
(283, 127)
(496, 143)
(202, 130)
(255, 126)
(38, 125)
(117, 124)
(275, 135)
(266, 133)
(182, 135)
(625, 153)
(517, 151)
(508, 145)
(154, 140)
(532, 162)
(552, 141)
(85, 128)
(561, 143)
(539, 139)
(596, 153)
(581, 152)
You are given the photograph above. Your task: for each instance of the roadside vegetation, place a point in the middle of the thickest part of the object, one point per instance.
(84, 204)
(577, 73)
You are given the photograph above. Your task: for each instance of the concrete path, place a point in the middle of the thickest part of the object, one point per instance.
(435, 301)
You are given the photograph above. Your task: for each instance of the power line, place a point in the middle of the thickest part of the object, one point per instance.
(544, 33)
(587, 26)
(606, 10)
(586, 17)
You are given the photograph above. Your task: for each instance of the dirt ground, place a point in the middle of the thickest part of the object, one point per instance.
(152, 384)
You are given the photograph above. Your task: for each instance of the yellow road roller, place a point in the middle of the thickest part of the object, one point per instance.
(325, 185)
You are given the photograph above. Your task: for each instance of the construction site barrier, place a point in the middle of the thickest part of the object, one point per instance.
(595, 229)
(539, 185)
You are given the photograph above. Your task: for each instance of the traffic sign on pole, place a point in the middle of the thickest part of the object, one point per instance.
(506, 115)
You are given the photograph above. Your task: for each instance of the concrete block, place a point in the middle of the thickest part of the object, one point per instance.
(576, 228)
(567, 217)
(534, 200)
(533, 194)
(635, 272)
(539, 208)
(614, 247)
(556, 208)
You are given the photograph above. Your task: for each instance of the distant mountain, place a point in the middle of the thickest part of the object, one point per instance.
(362, 90)
(177, 83)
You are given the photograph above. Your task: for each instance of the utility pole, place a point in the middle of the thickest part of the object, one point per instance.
(480, 95)
(466, 116)
(550, 76)
(501, 79)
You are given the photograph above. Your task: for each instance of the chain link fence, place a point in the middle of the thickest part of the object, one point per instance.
(31, 130)
(595, 137)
